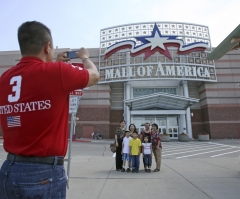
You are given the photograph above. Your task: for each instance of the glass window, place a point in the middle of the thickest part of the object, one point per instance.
(147, 91)
(172, 121)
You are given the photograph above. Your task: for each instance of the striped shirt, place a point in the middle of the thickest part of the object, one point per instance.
(146, 148)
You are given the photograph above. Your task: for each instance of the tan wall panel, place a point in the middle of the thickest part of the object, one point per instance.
(224, 78)
(212, 94)
(202, 95)
(95, 102)
(235, 64)
(222, 64)
(227, 94)
(213, 101)
(236, 79)
(104, 95)
(227, 100)
(211, 85)
(103, 102)
(224, 71)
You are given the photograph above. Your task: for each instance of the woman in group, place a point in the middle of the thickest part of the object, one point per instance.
(119, 135)
(132, 128)
(156, 146)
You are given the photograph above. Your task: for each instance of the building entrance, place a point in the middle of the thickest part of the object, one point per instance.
(166, 124)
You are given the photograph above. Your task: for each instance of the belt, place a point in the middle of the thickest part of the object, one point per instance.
(40, 160)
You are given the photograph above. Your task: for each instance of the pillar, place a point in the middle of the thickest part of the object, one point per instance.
(188, 114)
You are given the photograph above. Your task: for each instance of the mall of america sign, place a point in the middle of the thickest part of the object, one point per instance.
(155, 50)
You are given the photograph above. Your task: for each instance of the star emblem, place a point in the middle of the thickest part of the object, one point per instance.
(156, 42)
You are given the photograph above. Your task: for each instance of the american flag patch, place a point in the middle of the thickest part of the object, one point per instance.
(13, 121)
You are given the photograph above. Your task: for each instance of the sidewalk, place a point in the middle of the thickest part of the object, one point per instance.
(197, 178)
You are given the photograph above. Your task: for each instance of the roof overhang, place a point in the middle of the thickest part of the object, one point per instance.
(160, 100)
(231, 42)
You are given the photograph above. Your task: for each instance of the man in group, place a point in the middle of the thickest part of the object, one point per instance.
(34, 106)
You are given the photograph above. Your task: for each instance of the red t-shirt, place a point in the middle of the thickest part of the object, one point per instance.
(34, 106)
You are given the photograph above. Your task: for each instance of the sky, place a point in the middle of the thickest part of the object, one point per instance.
(77, 23)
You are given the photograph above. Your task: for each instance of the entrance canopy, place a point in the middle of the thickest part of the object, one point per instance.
(231, 42)
(160, 100)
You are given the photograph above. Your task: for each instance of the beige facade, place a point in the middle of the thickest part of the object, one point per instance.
(102, 106)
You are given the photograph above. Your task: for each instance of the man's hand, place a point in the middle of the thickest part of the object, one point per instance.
(62, 57)
(82, 53)
(116, 144)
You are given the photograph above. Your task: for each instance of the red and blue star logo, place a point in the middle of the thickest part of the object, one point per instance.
(155, 43)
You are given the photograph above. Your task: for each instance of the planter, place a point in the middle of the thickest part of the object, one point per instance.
(183, 138)
(165, 138)
(203, 137)
(74, 137)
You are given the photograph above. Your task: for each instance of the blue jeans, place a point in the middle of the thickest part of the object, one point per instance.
(147, 160)
(30, 180)
(135, 162)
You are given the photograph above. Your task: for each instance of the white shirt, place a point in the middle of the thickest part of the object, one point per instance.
(146, 148)
(126, 148)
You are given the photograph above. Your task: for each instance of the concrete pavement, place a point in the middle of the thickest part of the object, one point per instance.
(95, 177)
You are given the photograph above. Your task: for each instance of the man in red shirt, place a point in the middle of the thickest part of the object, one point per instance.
(34, 105)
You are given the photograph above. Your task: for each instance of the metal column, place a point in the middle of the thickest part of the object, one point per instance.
(188, 115)
(127, 110)
(127, 93)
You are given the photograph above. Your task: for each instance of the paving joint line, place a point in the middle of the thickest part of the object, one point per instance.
(188, 180)
(219, 166)
(105, 182)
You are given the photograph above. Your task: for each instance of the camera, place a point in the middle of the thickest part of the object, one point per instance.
(72, 54)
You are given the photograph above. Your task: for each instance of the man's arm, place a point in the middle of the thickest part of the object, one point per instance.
(89, 65)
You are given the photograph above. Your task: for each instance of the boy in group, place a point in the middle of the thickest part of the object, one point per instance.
(126, 151)
(135, 149)
(147, 154)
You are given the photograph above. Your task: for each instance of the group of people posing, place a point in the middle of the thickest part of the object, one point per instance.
(130, 144)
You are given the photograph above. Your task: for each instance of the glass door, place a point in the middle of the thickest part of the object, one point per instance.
(173, 127)
(162, 124)
(167, 124)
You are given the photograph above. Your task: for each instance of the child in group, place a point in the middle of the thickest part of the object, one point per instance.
(126, 151)
(135, 149)
(147, 154)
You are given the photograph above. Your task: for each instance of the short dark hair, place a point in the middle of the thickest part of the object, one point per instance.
(32, 36)
(147, 123)
(154, 124)
(122, 121)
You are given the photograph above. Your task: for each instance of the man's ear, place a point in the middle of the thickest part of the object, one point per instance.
(47, 48)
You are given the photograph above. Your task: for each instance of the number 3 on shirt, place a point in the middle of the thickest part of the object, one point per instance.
(17, 88)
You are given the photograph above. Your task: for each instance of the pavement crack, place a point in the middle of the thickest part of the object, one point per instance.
(104, 150)
(188, 180)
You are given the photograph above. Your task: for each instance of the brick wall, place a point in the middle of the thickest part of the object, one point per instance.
(222, 131)
(101, 118)
(196, 128)
(94, 113)
(221, 121)
(103, 128)
(116, 117)
(196, 120)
